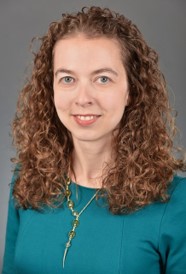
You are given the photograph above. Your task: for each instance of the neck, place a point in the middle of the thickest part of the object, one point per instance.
(89, 160)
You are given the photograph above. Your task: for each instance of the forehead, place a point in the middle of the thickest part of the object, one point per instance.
(79, 48)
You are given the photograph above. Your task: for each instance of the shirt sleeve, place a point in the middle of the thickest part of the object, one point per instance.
(172, 242)
(11, 232)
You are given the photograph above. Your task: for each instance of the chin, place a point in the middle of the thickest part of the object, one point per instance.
(88, 137)
(85, 138)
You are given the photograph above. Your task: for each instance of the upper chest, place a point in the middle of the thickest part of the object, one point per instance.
(104, 243)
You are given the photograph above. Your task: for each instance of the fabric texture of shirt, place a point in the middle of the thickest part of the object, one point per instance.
(151, 240)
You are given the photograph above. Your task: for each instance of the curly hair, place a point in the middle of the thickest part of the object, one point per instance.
(145, 162)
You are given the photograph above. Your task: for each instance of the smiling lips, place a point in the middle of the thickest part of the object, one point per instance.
(86, 120)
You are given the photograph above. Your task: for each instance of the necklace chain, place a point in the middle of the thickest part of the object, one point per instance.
(76, 216)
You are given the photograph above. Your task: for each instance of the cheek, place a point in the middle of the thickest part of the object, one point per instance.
(117, 102)
(61, 102)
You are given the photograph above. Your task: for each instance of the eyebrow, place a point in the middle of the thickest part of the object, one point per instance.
(63, 70)
(105, 70)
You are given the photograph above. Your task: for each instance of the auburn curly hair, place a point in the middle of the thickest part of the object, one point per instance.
(145, 162)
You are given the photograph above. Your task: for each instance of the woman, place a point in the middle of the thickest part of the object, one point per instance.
(95, 187)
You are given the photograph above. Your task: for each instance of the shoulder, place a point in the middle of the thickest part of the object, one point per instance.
(172, 232)
(174, 216)
(177, 191)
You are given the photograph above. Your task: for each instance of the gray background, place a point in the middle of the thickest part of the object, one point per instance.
(163, 23)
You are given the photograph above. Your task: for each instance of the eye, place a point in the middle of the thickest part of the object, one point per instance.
(67, 80)
(103, 79)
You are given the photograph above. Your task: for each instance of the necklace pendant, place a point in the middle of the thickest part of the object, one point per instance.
(65, 253)
(71, 235)
(68, 245)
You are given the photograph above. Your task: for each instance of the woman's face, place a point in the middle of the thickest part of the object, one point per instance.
(90, 86)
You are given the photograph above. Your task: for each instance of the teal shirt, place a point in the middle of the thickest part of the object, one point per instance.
(151, 240)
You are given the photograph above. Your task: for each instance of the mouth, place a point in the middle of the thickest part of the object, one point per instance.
(87, 119)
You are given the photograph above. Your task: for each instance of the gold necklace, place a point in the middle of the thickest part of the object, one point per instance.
(76, 215)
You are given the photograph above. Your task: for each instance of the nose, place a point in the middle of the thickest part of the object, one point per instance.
(84, 95)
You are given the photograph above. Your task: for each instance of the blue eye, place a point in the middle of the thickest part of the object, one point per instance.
(103, 79)
(67, 80)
